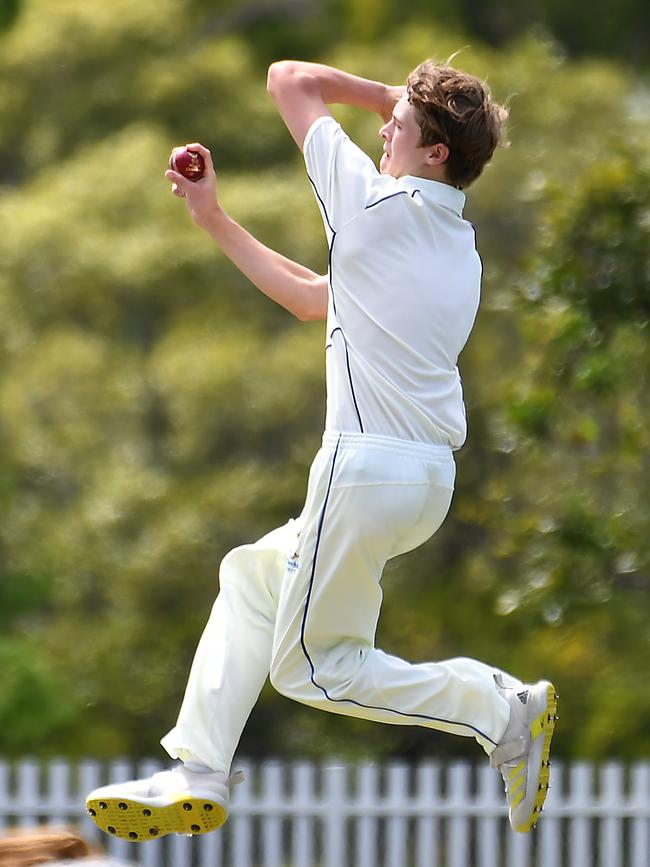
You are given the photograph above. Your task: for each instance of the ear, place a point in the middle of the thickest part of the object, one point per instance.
(437, 154)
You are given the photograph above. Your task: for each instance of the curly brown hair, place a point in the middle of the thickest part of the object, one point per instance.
(457, 109)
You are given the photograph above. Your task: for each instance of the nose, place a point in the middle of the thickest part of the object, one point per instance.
(385, 130)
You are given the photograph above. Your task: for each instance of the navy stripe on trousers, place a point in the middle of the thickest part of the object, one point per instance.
(303, 643)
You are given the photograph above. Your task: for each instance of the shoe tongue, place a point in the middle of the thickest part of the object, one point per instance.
(235, 778)
(523, 696)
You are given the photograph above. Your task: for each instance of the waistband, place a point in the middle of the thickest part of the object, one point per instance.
(376, 442)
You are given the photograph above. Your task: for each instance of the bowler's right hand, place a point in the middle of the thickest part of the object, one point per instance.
(200, 196)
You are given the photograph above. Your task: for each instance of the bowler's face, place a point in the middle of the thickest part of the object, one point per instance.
(401, 135)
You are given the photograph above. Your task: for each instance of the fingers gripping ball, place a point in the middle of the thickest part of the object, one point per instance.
(188, 163)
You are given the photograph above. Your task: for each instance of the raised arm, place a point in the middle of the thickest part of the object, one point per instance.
(302, 91)
(295, 287)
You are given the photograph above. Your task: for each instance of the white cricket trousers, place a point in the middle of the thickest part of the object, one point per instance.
(302, 605)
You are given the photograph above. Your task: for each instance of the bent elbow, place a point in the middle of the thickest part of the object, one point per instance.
(309, 315)
(311, 311)
(288, 76)
(278, 73)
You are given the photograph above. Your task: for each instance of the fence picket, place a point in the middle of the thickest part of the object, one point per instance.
(366, 825)
(241, 841)
(4, 794)
(518, 848)
(303, 825)
(210, 851)
(458, 824)
(611, 830)
(28, 786)
(89, 778)
(180, 850)
(581, 784)
(490, 798)
(396, 824)
(639, 800)
(549, 833)
(427, 827)
(58, 797)
(241, 826)
(550, 841)
(272, 795)
(334, 825)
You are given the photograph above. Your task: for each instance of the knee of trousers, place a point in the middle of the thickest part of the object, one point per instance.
(237, 565)
(305, 675)
(290, 673)
(262, 562)
(247, 566)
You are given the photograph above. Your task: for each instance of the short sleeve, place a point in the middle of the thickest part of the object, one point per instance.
(341, 173)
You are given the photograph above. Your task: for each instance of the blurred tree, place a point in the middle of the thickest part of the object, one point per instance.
(579, 419)
(9, 10)
(155, 410)
(599, 238)
(580, 28)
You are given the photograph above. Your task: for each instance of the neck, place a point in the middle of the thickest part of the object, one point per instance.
(436, 173)
(432, 173)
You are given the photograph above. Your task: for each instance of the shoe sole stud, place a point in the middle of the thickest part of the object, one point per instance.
(137, 821)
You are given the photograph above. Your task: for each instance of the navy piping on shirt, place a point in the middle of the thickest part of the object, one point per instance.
(330, 256)
(322, 204)
(347, 363)
(303, 643)
(392, 196)
(476, 248)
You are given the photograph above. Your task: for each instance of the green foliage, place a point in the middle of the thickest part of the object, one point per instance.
(155, 410)
(601, 260)
(33, 704)
(577, 427)
(580, 28)
(8, 11)
(21, 595)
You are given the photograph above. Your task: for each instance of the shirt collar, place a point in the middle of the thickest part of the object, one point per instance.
(435, 192)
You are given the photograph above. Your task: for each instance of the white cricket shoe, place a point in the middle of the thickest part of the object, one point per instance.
(170, 802)
(522, 757)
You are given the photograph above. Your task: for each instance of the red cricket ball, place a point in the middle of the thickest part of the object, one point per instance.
(190, 164)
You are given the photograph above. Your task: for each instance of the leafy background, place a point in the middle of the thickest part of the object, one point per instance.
(155, 410)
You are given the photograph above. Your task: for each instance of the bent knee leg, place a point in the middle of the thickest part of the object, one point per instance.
(290, 672)
(313, 677)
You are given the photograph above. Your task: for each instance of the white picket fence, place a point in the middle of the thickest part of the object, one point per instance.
(391, 815)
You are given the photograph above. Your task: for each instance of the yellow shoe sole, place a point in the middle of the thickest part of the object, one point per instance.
(138, 821)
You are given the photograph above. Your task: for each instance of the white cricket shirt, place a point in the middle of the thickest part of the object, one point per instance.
(404, 286)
